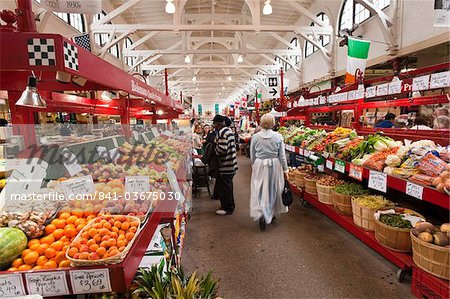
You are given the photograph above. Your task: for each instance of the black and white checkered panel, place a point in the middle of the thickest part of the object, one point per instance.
(70, 56)
(41, 52)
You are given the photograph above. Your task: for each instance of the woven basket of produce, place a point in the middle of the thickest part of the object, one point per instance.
(310, 183)
(430, 248)
(300, 173)
(325, 187)
(363, 208)
(392, 228)
(342, 197)
(105, 240)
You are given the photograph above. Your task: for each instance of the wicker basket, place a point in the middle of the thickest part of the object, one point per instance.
(431, 258)
(299, 178)
(394, 238)
(363, 216)
(311, 186)
(324, 194)
(107, 261)
(342, 203)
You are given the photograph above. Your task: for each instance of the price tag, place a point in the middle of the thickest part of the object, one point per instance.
(414, 190)
(103, 153)
(137, 184)
(135, 135)
(329, 164)
(82, 185)
(155, 132)
(378, 181)
(395, 87)
(47, 283)
(339, 166)
(306, 153)
(321, 168)
(371, 92)
(360, 93)
(325, 154)
(355, 172)
(351, 95)
(71, 162)
(439, 80)
(382, 89)
(90, 281)
(421, 83)
(114, 154)
(11, 285)
(145, 138)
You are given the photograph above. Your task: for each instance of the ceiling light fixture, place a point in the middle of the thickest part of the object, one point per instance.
(223, 87)
(229, 78)
(187, 59)
(194, 78)
(170, 7)
(159, 112)
(240, 59)
(267, 10)
(30, 97)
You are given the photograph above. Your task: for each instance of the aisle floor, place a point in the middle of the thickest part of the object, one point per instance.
(302, 255)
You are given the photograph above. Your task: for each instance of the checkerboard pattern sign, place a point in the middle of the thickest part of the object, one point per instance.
(70, 56)
(41, 52)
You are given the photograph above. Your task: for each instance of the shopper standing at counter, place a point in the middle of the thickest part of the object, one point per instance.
(388, 121)
(225, 148)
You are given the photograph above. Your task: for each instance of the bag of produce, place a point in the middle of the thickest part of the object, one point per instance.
(431, 165)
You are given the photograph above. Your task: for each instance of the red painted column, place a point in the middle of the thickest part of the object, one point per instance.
(257, 107)
(25, 16)
(22, 119)
(125, 115)
(166, 80)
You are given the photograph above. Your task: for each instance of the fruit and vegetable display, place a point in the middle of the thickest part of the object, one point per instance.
(329, 181)
(104, 237)
(423, 161)
(350, 189)
(373, 202)
(60, 233)
(395, 220)
(429, 233)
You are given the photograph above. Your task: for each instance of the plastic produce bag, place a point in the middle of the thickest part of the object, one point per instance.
(431, 165)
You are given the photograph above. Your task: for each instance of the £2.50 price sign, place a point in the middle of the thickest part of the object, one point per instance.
(90, 281)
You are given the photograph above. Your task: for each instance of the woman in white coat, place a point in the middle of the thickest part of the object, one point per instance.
(268, 166)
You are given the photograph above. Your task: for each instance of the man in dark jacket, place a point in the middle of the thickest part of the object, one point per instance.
(388, 121)
(225, 149)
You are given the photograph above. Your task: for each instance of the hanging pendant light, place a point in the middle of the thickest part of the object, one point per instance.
(170, 7)
(30, 97)
(187, 59)
(267, 10)
(240, 59)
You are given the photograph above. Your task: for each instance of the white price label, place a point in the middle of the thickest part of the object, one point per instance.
(395, 87)
(359, 94)
(306, 153)
(71, 162)
(114, 154)
(47, 283)
(382, 89)
(329, 164)
(339, 166)
(155, 132)
(355, 172)
(321, 168)
(421, 83)
(371, 92)
(145, 138)
(414, 190)
(439, 80)
(78, 186)
(343, 97)
(378, 181)
(137, 184)
(135, 135)
(11, 285)
(351, 95)
(325, 155)
(90, 281)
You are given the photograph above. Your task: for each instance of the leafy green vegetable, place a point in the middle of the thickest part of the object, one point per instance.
(395, 220)
(350, 189)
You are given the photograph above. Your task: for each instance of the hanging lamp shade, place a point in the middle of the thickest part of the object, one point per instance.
(30, 97)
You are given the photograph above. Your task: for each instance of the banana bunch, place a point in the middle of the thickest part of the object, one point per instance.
(342, 131)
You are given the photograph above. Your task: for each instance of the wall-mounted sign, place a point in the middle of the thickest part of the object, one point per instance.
(73, 6)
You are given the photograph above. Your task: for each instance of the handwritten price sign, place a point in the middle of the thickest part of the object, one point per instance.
(355, 172)
(414, 190)
(81, 185)
(90, 281)
(137, 184)
(47, 284)
(339, 166)
(378, 181)
(155, 132)
(11, 286)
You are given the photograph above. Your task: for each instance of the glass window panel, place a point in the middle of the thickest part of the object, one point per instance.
(361, 13)
(346, 20)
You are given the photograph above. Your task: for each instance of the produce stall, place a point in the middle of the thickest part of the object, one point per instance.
(73, 239)
(379, 165)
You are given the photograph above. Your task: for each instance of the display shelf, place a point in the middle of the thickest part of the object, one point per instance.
(430, 195)
(402, 260)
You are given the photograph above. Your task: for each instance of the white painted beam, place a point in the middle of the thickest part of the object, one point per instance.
(113, 42)
(210, 66)
(213, 52)
(142, 40)
(116, 12)
(376, 11)
(307, 13)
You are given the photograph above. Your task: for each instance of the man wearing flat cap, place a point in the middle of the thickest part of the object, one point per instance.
(225, 148)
